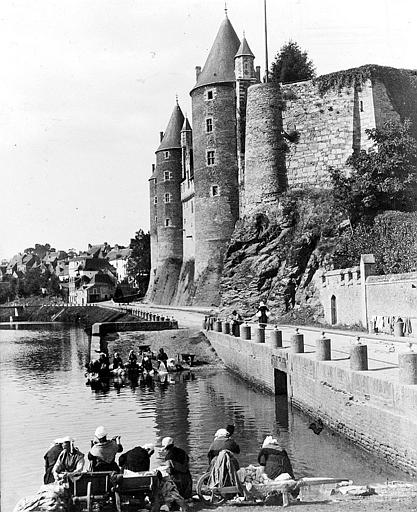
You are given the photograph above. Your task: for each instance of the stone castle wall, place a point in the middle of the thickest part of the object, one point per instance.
(330, 126)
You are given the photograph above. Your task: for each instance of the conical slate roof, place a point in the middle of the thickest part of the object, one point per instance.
(186, 127)
(172, 135)
(220, 64)
(244, 49)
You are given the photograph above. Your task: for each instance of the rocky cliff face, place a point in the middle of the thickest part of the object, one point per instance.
(275, 254)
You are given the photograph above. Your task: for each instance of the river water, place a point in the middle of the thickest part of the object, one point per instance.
(43, 396)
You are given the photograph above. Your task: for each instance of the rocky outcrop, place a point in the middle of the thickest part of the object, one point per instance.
(274, 254)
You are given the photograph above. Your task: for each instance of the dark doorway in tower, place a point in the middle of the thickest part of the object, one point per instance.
(333, 310)
(280, 382)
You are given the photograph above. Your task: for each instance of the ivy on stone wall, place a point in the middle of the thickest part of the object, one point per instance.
(401, 86)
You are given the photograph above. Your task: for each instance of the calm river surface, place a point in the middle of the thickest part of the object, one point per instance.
(43, 396)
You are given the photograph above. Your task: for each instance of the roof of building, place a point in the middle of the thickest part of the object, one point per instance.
(172, 135)
(186, 127)
(116, 254)
(244, 49)
(220, 64)
(96, 264)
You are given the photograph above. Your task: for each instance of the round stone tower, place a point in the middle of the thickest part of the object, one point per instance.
(265, 175)
(166, 207)
(215, 162)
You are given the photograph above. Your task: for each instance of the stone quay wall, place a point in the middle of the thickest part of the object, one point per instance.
(377, 414)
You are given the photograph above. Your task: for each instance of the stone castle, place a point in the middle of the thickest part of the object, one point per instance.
(249, 142)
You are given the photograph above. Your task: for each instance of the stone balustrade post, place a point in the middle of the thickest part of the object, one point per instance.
(226, 327)
(359, 357)
(297, 342)
(276, 338)
(323, 348)
(407, 362)
(218, 325)
(245, 331)
(259, 334)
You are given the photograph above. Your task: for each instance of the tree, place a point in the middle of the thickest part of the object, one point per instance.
(292, 65)
(139, 263)
(384, 177)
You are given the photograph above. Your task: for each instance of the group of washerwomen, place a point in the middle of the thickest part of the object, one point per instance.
(103, 368)
(63, 460)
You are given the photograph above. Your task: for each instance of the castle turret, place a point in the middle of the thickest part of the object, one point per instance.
(187, 193)
(215, 162)
(245, 76)
(166, 224)
(265, 171)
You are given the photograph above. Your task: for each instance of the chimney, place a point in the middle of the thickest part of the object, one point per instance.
(197, 72)
(258, 73)
(161, 136)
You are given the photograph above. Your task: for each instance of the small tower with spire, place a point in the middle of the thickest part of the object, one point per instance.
(166, 212)
(245, 76)
(187, 192)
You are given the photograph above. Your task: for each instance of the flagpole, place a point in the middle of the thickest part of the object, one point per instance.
(266, 46)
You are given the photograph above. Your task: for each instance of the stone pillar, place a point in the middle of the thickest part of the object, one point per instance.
(408, 368)
(359, 357)
(276, 338)
(259, 334)
(323, 348)
(245, 332)
(218, 326)
(297, 342)
(226, 327)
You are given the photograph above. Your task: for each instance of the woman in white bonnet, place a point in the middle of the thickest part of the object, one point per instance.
(274, 459)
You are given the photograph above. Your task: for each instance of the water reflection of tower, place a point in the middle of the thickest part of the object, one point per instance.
(172, 413)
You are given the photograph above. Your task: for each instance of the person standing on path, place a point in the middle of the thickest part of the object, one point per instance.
(263, 313)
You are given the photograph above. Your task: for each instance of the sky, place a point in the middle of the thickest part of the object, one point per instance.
(87, 85)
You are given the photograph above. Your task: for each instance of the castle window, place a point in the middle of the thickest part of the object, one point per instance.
(210, 95)
(215, 190)
(210, 157)
(167, 197)
(245, 67)
(156, 219)
(168, 223)
(166, 155)
(167, 175)
(155, 200)
(209, 125)
(361, 105)
(192, 207)
(350, 276)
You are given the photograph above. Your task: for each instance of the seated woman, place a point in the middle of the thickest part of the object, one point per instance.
(274, 459)
(222, 441)
(70, 461)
